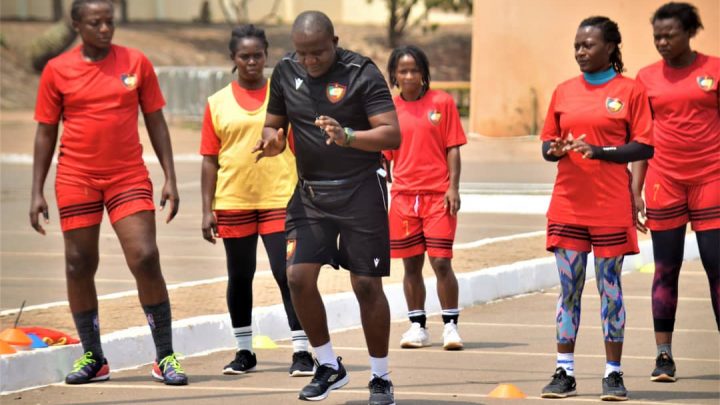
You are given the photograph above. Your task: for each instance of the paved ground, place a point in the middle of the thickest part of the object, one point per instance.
(510, 341)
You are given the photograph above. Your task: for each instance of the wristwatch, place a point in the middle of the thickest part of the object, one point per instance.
(349, 135)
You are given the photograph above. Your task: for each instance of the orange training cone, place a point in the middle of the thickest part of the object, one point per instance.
(5, 348)
(15, 337)
(507, 391)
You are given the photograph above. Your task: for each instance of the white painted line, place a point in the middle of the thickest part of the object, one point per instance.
(553, 326)
(488, 241)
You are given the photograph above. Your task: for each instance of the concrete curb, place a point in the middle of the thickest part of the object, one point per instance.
(133, 347)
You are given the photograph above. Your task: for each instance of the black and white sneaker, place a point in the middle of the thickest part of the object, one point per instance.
(664, 369)
(302, 364)
(381, 392)
(613, 388)
(244, 362)
(325, 380)
(561, 385)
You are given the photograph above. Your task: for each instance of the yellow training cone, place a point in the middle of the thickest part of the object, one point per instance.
(507, 391)
(648, 268)
(263, 342)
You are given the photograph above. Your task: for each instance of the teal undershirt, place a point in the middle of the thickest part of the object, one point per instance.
(599, 78)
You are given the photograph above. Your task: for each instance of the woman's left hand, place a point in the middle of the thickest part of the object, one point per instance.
(579, 145)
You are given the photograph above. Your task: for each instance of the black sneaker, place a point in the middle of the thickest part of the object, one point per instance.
(381, 392)
(326, 379)
(561, 385)
(88, 369)
(302, 364)
(613, 388)
(664, 369)
(244, 362)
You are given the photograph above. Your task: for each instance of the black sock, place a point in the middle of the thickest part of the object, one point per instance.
(88, 327)
(450, 315)
(418, 316)
(160, 322)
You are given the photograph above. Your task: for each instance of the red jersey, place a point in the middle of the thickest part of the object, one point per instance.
(687, 118)
(593, 192)
(98, 103)
(428, 126)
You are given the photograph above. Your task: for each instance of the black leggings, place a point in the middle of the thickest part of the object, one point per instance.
(668, 249)
(241, 262)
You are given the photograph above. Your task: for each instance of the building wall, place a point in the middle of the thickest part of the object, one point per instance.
(523, 48)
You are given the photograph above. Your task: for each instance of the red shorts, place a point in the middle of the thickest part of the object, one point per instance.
(419, 222)
(605, 241)
(670, 204)
(81, 198)
(242, 223)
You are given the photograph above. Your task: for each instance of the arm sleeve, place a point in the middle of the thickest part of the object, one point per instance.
(453, 127)
(151, 98)
(276, 104)
(377, 98)
(48, 107)
(629, 152)
(551, 129)
(209, 142)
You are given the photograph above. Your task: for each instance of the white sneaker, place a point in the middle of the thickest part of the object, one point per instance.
(415, 337)
(451, 338)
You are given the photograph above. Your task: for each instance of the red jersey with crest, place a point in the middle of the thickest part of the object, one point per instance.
(687, 118)
(98, 103)
(593, 192)
(429, 126)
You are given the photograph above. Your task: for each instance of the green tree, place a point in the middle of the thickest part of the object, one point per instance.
(399, 11)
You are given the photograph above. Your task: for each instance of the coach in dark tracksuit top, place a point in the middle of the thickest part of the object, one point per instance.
(342, 116)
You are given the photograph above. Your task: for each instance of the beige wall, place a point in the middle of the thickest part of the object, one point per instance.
(525, 46)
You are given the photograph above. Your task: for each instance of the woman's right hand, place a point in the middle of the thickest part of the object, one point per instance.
(209, 227)
(558, 147)
(38, 206)
(640, 213)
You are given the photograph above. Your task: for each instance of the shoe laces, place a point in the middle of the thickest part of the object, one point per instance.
(615, 379)
(559, 376)
(323, 373)
(378, 385)
(86, 360)
(171, 361)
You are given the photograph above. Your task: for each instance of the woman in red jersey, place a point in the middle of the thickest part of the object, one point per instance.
(596, 123)
(96, 89)
(425, 197)
(242, 198)
(682, 181)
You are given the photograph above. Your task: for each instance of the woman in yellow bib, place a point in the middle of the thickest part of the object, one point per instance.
(242, 199)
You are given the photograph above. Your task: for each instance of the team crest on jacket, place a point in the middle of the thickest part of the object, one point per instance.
(614, 105)
(335, 92)
(129, 81)
(290, 248)
(434, 116)
(705, 82)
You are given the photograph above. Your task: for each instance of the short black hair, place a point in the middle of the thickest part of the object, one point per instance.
(611, 34)
(421, 61)
(77, 5)
(247, 31)
(686, 13)
(313, 21)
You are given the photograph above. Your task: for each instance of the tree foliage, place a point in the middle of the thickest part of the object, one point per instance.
(400, 14)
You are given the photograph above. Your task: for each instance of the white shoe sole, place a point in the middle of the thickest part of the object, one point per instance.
(298, 373)
(453, 346)
(337, 385)
(231, 371)
(613, 398)
(663, 378)
(558, 396)
(414, 345)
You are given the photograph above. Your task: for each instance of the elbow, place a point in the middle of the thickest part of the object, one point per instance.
(394, 140)
(647, 152)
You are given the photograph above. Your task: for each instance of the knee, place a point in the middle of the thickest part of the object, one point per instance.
(442, 267)
(80, 265)
(295, 281)
(145, 261)
(367, 288)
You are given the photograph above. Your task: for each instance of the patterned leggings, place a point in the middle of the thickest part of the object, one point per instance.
(571, 268)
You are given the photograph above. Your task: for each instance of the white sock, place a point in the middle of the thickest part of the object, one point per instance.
(326, 355)
(612, 366)
(566, 361)
(379, 368)
(299, 341)
(243, 336)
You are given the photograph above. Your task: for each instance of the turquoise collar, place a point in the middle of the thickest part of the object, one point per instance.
(600, 77)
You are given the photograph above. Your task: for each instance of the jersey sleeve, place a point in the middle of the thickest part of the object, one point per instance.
(377, 98)
(453, 129)
(551, 129)
(276, 103)
(48, 107)
(641, 125)
(151, 98)
(209, 142)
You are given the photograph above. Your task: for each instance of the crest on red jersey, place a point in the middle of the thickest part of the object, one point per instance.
(706, 82)
(614, 105)
(335, 92)
(129, 81)
(434, 116)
